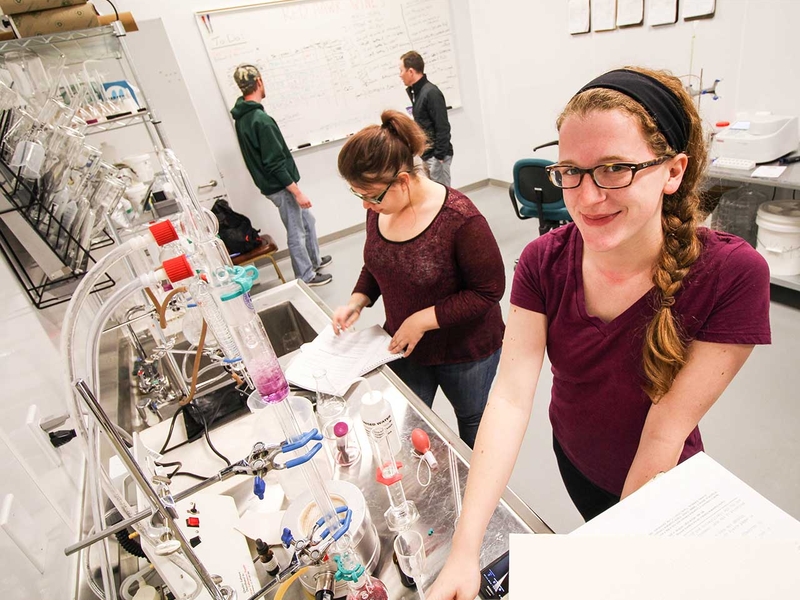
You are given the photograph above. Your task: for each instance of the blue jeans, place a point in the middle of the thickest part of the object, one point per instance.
(466, 386)
(440, 170)
(301, 234)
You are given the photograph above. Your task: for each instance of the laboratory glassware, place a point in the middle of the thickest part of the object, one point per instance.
(401, 512)
(361, 585)
(342, 441)
(329, 406)
(409, 546)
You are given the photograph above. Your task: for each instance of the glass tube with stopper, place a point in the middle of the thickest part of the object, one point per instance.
(267, 376)
(402, 512)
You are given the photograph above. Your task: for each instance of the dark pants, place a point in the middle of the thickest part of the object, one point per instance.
(466, 386)
(589, 499)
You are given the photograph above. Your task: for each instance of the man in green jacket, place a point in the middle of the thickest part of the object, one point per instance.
(275, 173)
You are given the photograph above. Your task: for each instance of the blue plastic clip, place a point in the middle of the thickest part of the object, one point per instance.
(259, 486)
(344, 522)
(286, 537)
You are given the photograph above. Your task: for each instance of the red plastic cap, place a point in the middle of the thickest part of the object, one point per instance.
(723, 123)
(163, 232)
(178, 268)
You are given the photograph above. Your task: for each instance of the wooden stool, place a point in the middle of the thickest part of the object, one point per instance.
(266, 249)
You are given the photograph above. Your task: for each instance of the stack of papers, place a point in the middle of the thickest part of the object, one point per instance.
(345, 358)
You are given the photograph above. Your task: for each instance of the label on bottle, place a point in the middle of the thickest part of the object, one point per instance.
(387, 423)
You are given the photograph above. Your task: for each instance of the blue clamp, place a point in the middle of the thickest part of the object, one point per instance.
(344, 523)
(259, 486)
(298, 443)
(286, 537)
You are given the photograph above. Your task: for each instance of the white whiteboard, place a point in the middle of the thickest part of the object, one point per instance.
(330, 66)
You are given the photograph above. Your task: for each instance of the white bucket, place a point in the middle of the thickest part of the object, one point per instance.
(141, 167)
(778, 238)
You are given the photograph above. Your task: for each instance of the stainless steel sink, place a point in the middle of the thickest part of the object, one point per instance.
(286, 328)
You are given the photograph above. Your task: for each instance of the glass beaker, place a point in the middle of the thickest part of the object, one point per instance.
(329, 405)
(342, 441)
(409, 547)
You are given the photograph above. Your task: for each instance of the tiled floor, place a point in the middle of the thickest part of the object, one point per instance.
(752, 430)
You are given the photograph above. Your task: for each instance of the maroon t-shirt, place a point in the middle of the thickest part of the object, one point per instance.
(455, 266)
(598, 406)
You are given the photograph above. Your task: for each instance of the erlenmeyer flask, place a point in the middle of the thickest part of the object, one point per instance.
(329, 405)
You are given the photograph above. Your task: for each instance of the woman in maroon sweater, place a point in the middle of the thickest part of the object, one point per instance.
(431, 255)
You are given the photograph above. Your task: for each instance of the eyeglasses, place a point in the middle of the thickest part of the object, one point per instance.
(610, 176)
(379, 198)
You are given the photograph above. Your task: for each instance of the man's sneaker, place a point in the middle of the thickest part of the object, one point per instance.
(320, 279)
(324, 261)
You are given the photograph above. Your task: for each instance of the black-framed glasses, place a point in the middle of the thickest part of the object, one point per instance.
(379, 198)
(609, 176)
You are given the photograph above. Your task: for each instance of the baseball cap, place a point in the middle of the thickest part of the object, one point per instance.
(245, 77)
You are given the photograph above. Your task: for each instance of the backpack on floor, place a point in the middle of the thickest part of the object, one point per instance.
(235, 230)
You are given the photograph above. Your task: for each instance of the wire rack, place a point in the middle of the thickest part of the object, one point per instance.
(44, 288)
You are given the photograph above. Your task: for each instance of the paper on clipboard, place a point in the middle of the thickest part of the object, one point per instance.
(345, 358)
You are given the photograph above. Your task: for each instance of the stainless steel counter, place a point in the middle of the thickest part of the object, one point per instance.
(435, 502)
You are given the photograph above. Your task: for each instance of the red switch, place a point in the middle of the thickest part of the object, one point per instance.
(193, 522)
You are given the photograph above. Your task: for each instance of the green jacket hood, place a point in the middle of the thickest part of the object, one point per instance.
(243, 107)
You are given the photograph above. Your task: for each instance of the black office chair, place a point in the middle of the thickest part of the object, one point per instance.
(534, 195)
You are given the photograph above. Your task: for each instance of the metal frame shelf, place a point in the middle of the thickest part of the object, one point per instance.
(52, 288)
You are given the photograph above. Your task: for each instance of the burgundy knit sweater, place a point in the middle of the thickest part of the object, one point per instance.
(455, 266)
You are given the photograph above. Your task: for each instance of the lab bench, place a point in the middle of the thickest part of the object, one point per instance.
(789, 180)
(436, 503)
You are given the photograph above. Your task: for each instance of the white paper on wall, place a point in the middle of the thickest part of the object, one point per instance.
(663, 12)
(630, 12)
(604, 15)
(694, 9)
(578, 15)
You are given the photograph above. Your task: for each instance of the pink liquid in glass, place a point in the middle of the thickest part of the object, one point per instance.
(371, 590)
(269, 381)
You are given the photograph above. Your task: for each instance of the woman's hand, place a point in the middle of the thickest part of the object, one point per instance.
(411, 331)
(345, 316)
(460, 579)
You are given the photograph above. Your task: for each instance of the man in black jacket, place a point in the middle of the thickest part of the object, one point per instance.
(430, 112)
(275, 173)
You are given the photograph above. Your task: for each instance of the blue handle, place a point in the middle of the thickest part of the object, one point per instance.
(286, 537)
(301, 441)
(305, 457)
(259, 486)
(344, 523)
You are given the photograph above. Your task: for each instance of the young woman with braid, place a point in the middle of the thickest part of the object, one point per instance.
(645, 317)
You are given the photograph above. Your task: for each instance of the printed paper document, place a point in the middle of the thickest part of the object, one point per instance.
(345, 358)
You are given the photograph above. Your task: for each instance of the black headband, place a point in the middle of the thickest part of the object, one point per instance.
(656, 98)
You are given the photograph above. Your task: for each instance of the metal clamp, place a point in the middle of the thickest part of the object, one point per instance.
(313, 550)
